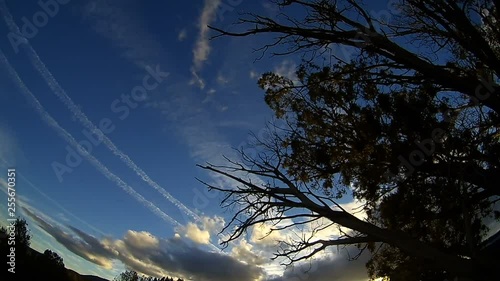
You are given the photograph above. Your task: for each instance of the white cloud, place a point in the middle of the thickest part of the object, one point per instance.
(270, 8)
(355, 208)
(287, 69)
(338, 268)
(253, 74)
(244, 252)
(222, 80)
(203, 230)
(262, 235)
(182, 35)
(213, 224)
(141, 239)
(125, 30)
(196, 79)
(197, 128)
(265, 243)
(193, 232)
(202, 47)
(143, 252)
(210, 96)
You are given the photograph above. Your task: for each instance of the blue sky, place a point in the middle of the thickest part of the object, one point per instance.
(133, 201)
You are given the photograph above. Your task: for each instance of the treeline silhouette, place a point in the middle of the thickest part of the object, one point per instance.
(22, 261)
(27, 263)
(131, 275)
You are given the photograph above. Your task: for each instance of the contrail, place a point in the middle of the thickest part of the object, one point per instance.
(56, 203)
(71, 140)
(60, 206)
(82, 117)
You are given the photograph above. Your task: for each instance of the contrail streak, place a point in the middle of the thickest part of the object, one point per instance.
(71, 140)
(56, 203)
(82, 117)
(60, 206)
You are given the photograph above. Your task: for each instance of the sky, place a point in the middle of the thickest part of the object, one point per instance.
(165, 97)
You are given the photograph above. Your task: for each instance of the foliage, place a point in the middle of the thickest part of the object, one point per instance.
(408, 123)
(131, 275)
(53, 258)
(21, 231)
(27, 261)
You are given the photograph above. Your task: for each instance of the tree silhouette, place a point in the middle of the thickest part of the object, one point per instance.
(51, 266)
(21, 233)
(411, 129)
(128, 275)
(131, 275)
(53, 258)
(20, 243)
(28, 262)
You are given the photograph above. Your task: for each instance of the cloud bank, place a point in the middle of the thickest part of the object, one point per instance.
(151, 255)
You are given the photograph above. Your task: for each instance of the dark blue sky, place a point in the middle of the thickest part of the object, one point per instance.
(88, 64)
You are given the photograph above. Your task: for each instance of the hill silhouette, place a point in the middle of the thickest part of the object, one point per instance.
(23, 263)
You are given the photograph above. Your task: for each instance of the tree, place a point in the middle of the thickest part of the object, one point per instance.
(23, 236)
(50, 265)
(27, 261)
(128, 275)
(53, 258)
(131, 275)
(411, 131)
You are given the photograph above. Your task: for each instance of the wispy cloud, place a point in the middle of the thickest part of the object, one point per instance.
(86, 247)
(85, 121)
(202, 47)
(51, 122)
(182, 35)
(287, 69)
(253, 74)
(197, 128)
(196, 79)
(8, 147)
(55, 203)
(222, 80)
(124, 29)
